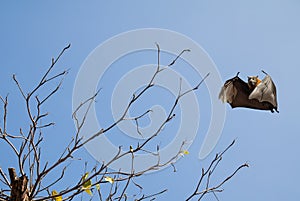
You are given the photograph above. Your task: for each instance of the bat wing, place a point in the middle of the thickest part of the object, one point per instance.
(265, 92)
(228, 92)
(236, 92)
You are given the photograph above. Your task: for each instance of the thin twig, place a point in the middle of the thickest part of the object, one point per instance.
(5, 178)
(211, 168)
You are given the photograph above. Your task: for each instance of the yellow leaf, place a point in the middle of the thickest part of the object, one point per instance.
(184, 152)
(58, 198)
(98, 187)
(88, 191)
(85, 176)
(109, 179)
(86, 186)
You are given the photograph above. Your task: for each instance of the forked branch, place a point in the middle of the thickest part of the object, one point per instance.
(206, 176)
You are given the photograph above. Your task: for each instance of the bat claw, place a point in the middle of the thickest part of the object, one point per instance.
(272, 110)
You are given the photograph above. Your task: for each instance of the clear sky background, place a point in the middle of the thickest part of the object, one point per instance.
(238, 36)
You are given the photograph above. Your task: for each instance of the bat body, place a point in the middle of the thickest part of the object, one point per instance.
(259, 95)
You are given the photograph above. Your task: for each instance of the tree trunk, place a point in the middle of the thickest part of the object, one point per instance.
(19, 191)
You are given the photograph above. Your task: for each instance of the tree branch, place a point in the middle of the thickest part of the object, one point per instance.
(208, 173)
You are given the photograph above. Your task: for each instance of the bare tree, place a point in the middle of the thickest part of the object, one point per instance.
(27, 181)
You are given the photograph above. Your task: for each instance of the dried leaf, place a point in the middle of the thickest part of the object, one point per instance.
(131, 149)
(184, 152)
(58, 198)
(86, 186)
(109, 179)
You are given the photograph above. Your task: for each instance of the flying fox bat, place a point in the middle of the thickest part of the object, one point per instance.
(256, 94)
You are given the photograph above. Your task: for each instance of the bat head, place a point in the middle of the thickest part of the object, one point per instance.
(253, 81)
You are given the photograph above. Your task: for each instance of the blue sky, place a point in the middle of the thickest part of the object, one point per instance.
(237, 35)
